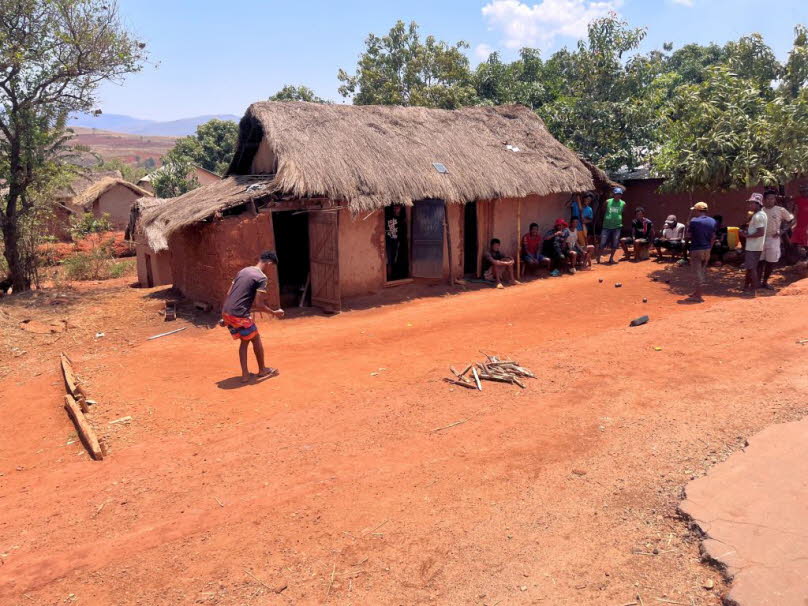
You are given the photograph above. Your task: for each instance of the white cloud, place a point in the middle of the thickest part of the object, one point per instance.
(539, 24)
(684, 2)
(483, 51)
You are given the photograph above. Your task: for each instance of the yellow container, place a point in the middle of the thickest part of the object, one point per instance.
(733, 237)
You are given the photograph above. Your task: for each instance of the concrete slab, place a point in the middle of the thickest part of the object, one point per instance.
(753, 509)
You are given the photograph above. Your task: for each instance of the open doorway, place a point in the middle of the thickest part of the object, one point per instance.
(292, 245)
(470, 241)
(396, 243)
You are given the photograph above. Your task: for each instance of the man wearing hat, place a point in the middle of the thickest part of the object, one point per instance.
(673, 238)
(612, 223)
(755, 234)
(702, 236)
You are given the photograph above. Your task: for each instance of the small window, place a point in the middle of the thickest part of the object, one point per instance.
(440, 168)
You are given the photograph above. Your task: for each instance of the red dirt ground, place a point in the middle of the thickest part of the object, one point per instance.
(331, 480)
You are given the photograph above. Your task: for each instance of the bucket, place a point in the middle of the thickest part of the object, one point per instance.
(733, 237)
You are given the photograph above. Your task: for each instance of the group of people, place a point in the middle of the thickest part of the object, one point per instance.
(571, 245)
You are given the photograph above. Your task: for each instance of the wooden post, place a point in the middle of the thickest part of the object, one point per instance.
(518, 239)
(83, 428)
(448, 241)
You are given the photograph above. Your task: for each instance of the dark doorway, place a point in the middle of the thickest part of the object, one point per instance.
(396, 243)
(470, 245)
(292, 245)
(149, 274)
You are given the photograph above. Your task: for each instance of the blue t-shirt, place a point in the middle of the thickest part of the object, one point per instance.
(587, 211)
(702, 230)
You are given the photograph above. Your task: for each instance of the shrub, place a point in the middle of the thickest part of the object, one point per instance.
(92, 265)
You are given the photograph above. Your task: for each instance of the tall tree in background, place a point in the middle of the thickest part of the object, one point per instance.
(53, 56)
(212, 148)
(745, 124)
(401, 69)
(297, 93)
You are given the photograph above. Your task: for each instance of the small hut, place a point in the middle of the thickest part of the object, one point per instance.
(153, 267)
(321, 183)
(110, 196)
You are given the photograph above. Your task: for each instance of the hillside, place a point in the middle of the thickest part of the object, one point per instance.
(135, 126)
(131, 149)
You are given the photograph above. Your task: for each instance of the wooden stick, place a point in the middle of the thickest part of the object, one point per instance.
(331, 583)
(165, 334)
(305, 290)
(461, 383)
(72, 383)
(84, 429)
(468, 368)
(448, 426)
(518, 275)
(259, 581)
(477, 379)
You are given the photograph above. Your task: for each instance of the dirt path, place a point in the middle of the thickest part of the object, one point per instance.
(332, 481)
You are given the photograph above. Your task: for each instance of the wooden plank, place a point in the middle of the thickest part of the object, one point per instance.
(84, 429)
(324, 261)
(72, 383)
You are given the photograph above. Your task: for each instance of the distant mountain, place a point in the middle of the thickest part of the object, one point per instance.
(136, 126)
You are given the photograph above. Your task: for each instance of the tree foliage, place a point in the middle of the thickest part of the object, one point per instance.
(212, 146)
(53, 56)
(402, 69)
(297, 93)
(174, 178)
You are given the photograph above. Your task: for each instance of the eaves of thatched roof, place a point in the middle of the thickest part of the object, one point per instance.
(369, 157)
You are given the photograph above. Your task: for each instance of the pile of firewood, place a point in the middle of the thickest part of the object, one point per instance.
(492, 369)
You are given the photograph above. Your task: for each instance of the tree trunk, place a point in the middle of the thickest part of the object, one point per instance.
(19, 279)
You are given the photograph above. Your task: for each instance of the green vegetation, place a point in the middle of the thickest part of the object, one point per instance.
(54, 54)
(297, 93)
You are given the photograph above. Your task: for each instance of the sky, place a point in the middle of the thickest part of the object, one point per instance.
(214, 57)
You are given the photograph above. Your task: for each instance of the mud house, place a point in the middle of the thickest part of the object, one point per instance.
(319, 183)
(110, 196)
(153, 268)
(202, 175)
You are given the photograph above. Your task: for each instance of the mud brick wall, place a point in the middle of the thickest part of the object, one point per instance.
(205, 257)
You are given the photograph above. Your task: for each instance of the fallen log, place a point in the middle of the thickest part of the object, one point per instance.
(84, 429)
(72, 383)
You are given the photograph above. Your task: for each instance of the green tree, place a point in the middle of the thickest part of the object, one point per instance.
(401, 69)
(174, 178)
(297, 93)
(521, 81)
(212, 147)
(129, 172)
(53, 56)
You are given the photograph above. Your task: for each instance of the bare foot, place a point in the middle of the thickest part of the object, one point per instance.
(246, 378)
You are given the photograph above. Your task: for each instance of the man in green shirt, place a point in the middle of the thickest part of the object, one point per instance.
(612, 223)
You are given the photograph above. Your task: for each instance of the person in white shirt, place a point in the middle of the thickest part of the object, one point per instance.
(779, 221)
(673, 238)
(755, 237)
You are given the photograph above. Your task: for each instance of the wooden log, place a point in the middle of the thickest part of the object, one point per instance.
(72, 384)
(477, 379)
(461, 383)
(470, 366)
(84, 429)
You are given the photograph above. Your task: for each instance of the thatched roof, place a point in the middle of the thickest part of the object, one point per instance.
(86, 198)
(368, 157)
(138, 208)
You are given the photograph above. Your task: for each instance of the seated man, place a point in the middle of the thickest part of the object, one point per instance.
(642, 234)
(578, 243)
(673, 238)
(531, 249)
(496, 265)
(556, 247)
(721, 245)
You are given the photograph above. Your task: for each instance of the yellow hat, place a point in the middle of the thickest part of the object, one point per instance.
(699, 206)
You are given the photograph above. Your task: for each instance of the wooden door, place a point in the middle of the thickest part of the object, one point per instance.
(149, 274)
(324, 260)
(485, 229)
(428, 217)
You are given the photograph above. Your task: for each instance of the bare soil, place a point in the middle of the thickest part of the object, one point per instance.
(333, 483)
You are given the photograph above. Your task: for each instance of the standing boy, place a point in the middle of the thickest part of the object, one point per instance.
(236, 312)
(612, 223)
(778, 222)
(702, 237)
(755, 235)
